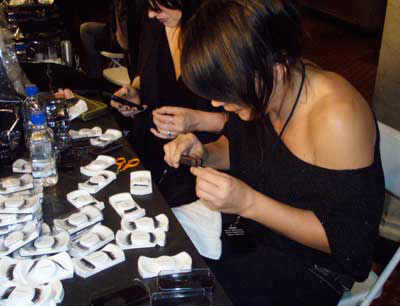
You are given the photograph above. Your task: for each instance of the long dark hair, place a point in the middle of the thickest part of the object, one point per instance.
(230, 48)
(187, 7)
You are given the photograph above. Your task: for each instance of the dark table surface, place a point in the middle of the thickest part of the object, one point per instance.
(78, 291)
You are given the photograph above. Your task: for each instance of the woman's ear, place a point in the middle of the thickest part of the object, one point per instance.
(279, 72)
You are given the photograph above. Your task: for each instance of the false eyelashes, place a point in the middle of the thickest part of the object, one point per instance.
(101, 163)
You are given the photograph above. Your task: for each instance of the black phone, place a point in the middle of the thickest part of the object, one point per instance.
(123, 101)
(129, 296)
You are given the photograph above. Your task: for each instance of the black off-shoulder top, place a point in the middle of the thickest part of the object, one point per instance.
(348, 203)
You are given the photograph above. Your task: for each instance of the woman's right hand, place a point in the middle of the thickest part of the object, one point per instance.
(130, 93)
(184, 144)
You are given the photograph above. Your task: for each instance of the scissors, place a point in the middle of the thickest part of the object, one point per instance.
(123, 164)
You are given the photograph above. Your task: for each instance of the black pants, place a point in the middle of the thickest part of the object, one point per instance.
(268, 277)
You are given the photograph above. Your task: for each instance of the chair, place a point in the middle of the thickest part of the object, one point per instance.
(364, 293)
(116, 73)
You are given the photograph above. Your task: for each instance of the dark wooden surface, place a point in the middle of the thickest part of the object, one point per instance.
(78, 291)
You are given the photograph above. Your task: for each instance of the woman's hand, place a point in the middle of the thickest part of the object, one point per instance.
(184, 144)
(129, 93)
(171, 121)
(222, 192)
(64, 93)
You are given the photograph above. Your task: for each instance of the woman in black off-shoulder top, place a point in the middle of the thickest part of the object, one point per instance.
(302, 147)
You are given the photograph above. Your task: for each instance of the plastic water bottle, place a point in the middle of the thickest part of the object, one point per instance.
(44, 169)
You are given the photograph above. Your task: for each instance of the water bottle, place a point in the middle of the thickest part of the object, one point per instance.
(44, 169)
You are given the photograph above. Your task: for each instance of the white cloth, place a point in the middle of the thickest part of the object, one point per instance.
(203, 226)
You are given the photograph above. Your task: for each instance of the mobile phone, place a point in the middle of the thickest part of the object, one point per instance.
(129, 296)
(123, 101)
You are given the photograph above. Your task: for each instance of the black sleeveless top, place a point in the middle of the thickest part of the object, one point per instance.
(159, 87)
(348, 203)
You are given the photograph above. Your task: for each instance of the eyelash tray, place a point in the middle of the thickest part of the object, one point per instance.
(105, 139)
(107, 257)
(14, 240)
(141, 182)
(139, 239)
(22, 166)
(101, 163)
(94, 239)
(98, 182)
(46, 295)
(47, 270)
(16, 183)
(87, 216)
(80, 198)
(151, 267)
(47, 244)
(19, 204)
(125, 206)
(85, 133)
(9, 219)
(145, 224)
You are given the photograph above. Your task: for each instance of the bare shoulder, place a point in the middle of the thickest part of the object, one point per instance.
(341, 127)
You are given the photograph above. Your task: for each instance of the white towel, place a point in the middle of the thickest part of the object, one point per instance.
(203, 226)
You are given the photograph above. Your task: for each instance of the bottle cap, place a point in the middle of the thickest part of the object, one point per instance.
(31, 90)
(38, 118)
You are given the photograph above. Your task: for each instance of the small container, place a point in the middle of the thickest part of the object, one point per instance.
(66, 52)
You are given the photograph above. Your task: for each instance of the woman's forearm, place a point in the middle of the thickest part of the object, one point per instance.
(216, 154)
(209, 121)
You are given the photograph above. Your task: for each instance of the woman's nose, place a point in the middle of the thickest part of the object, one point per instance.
(217, 103)
(152, 14)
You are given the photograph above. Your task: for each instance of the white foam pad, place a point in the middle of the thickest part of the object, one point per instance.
(98, 182)
(80, 198)
(98, 261)
(105, 139)
(22, 166)
(150, 267)
(141, 182)
(87, 216)
(101, 163)
(94, 239)
(146, 224)
(139, 239)
(125, 205)
(16, 183)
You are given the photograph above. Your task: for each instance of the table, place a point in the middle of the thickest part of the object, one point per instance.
(78, 290)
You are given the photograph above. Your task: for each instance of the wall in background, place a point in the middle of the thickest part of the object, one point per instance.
(386, 101)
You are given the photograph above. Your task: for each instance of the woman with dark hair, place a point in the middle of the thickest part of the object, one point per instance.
(302, 146)
(172, 107)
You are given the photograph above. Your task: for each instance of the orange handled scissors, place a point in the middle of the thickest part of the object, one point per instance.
(123, 164)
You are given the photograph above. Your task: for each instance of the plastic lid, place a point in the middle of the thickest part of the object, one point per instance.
(31, 90)
(38, 118)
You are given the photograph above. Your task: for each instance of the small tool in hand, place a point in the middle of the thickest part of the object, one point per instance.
(123, 164)
(123, 101)
(190, 161)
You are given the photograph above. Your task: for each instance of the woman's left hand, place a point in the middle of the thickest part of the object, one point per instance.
(222, 192)
(171, 121)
